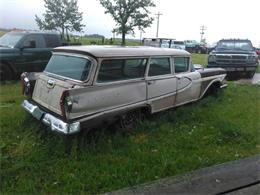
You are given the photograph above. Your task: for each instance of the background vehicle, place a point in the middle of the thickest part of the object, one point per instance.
(193, 46)
(237, 56)
(26, 51)
(257, 50)
(164, 43)
(175, 44)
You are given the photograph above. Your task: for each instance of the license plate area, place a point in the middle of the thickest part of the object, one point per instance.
(37, 113)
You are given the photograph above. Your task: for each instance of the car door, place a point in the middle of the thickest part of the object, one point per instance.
(161, 84)
(119, 84)
(35, 54)
(188, 85)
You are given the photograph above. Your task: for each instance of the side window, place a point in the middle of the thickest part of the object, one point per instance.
(159, 66)
(52, 40)
(121, 69)
(181, 64)
(38, 40)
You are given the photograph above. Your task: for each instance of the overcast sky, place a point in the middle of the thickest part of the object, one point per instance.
(181, 19)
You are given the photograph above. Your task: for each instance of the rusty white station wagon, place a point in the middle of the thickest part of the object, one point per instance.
(84, 86)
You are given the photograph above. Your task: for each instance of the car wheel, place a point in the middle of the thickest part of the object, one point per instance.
(5, 73)
(129, 120)
(250, 75)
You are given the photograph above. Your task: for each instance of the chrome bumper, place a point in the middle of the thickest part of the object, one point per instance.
(53, 122)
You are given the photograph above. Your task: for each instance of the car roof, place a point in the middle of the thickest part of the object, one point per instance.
(121, 51)
(34, 32)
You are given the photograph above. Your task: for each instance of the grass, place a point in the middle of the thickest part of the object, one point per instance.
(211, 131)
(2, 33)
(89, 41)
(258, 69)
(200, 59)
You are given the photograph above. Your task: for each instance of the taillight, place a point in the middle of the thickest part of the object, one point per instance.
(25, 82)
(63, 104)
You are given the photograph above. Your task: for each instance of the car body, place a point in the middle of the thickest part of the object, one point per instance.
(26, 51)
(257, 50)
(237, 56)
(88, 85)
(164, 43)
(175, 44)
(193, 46)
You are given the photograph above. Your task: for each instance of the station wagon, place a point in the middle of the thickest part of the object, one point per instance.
(84, 86)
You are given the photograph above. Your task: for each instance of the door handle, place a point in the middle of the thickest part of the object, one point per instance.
(150, 82)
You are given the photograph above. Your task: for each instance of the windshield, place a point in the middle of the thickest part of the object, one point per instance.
(69, 66)
(165, 43)
(10, 39)
(234, 45)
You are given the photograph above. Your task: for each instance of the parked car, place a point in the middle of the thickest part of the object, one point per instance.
(237, 56)
(193, 46)
(257, 50)
(85, 86)
(164, 43)
(177, 44)
(26, 51)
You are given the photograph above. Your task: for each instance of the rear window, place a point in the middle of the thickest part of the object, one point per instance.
(69, 66)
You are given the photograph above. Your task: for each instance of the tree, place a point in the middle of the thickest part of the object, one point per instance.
(129, 14)
(61, 15)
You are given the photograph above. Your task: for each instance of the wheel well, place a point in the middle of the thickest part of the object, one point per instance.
(9, 65)
(212, 88)
(146, 109)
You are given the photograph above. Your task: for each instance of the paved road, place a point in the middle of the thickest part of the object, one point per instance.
(256, 79)
(238, 177)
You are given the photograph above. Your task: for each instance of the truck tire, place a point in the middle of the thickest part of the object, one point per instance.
(250, 75)
(6, 73)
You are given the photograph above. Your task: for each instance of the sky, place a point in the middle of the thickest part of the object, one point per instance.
(181, 19)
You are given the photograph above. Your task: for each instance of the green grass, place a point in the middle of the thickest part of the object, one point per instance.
(258, 69)
(200, 59)
(2, 33)
(96, 41)
(205, 133)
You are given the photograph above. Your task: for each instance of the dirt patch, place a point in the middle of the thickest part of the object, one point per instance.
(255, 80)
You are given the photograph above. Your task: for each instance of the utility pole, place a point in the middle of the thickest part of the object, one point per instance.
(141, 33)
(202, 29)
(158, 21)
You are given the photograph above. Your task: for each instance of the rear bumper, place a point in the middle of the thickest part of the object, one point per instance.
(48, 119)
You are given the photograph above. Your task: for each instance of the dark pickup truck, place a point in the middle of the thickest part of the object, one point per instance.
(25, 51)
(237, 56)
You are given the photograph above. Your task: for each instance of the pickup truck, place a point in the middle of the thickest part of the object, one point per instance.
(25, 51)
(85, 86)
(237, 56)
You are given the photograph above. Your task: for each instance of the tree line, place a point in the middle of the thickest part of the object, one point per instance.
(64, 16)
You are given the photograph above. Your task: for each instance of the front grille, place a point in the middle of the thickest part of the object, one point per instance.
(231, 59)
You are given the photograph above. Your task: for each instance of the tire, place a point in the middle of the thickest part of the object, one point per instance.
(5, 73)
(250, 75)
(130, 119)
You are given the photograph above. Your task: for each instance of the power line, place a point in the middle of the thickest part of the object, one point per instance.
(158, 20)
